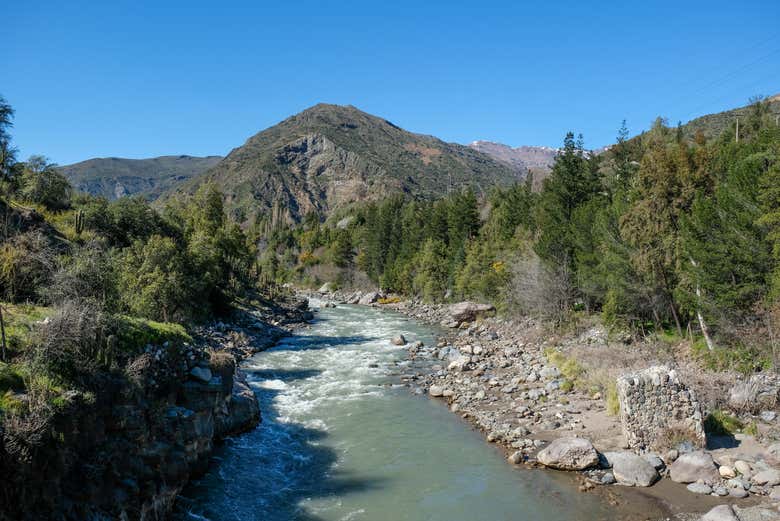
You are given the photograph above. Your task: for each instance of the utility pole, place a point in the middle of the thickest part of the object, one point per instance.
(737, 136)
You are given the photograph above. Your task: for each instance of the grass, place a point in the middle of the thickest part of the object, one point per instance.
(135, 333)
(576, 376)
(19, 322)
(389, 300)
(720, 423)
(611, 397)
(741, 358)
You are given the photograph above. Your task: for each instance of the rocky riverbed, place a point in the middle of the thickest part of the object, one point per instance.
(503, 377)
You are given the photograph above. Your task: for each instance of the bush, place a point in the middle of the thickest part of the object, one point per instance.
(27, 262)
(72, 345)
(87, 274)
(720, 423)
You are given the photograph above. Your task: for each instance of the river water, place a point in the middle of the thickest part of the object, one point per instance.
(342, 440)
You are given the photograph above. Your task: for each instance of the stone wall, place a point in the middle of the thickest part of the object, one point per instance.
(656, 408)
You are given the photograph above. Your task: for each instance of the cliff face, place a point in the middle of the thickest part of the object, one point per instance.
(127, 453)
(330, 156)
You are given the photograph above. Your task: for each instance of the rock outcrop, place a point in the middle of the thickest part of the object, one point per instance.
(126, 452)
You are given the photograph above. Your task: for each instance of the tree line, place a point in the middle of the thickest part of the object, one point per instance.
(657, 232)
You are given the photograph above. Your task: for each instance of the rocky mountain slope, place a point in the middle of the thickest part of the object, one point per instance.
(114, 177)
(330, 156)
(522, 158)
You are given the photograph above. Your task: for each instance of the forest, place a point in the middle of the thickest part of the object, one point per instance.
(658, 233)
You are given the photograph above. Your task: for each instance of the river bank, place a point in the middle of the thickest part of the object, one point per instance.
(503, 378)
(342, 438)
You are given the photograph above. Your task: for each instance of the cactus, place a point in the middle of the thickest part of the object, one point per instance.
(79, 222)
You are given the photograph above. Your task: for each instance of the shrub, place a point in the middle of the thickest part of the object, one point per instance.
(87, 274)
(71, 346)
(721, 423)
(27, 262)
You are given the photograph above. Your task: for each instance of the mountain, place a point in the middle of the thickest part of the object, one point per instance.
(115, 177)
(330, 156)
(713, 125)
(521, 158)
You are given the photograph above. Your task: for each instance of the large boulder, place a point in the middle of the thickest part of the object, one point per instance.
(469, 311)
(369, 298)
(720, 513)
(693, 466)
(326, 288)
(759, 392)
(569, 454)
(632, 470)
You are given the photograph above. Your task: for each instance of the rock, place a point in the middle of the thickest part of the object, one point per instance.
(344, 223)
(693, 466)
(608, 479)
(727, 472)
(569, 454)
(399, 340)
(369, 298)
(775, 494)
(655, 461)
(436, 390)
(757, 393)
(549, 373)
(202, 374)
(770, 477)
(469, 311)
(671, 456)
(738, 483)
(700, 488)
(326, 288)
(459, 363)
(774, 449)
(768, 416)
(631, 470)
(516, 457)
(738, 493)
(720, 513)
(743, 467)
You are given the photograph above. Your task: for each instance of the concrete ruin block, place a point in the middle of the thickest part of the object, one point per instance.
(656, 409)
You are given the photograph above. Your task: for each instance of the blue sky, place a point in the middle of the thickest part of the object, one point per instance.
(136, 79)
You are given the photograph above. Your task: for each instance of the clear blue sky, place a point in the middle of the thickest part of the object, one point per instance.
(133, 79)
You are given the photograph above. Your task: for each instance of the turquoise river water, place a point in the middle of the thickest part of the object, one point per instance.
(342, 440)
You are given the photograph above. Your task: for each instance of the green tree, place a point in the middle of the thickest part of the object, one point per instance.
(43, 184)
(7, 150)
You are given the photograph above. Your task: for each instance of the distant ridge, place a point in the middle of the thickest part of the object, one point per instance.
(522, 157)
(114, 177)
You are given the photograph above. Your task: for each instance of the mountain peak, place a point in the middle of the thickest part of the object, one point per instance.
(330, 156)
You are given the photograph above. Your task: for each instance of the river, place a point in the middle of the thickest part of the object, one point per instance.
(341, 440)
